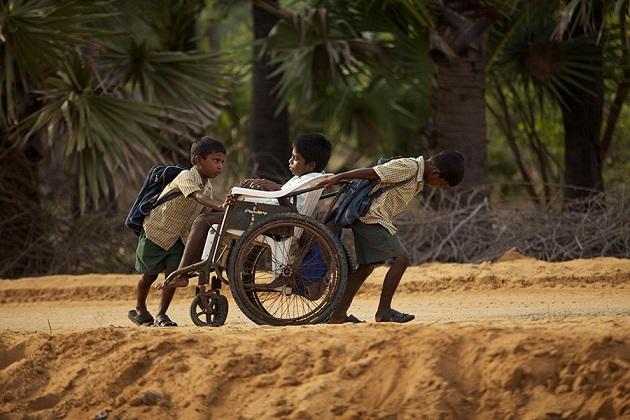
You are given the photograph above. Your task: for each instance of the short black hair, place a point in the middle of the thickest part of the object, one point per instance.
(450, 163)
(204, 146)
(314, 147)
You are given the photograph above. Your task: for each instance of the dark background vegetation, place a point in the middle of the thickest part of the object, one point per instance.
(93, 93)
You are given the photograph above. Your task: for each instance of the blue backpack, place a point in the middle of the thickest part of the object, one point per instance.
(359, 197)
(159, 177)
(313, 269)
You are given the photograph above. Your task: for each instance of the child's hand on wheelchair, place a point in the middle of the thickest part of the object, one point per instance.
(246, 183)
(263, 185)
(229, 200)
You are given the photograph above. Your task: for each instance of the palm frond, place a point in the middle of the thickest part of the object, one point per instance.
(527, 51)
(103, 134)
(336, 45)
(36, 35)
(587, 17)
(190, 81)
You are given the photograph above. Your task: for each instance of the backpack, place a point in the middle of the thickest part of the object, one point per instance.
(313, 270)
(359, 197)
(158, 178)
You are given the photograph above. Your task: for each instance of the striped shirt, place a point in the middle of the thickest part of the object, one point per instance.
(393, 201)
(172, 220)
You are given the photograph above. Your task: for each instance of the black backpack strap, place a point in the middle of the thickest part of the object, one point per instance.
(167, 197)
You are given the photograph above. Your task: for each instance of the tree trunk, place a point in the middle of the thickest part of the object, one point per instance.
(24, 249)
(269, 140)
(460, 118)
(582, 116)
(582, 125)
(458, 48)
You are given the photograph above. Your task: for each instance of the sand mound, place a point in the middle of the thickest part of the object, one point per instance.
(513, 254)
(526, 339)
(514, 272)
(568, 370)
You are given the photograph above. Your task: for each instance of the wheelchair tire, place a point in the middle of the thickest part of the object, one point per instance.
(253, 277)
(209, 310)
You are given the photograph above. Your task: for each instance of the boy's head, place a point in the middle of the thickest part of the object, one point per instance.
(310, 154)
(446, 169)
(208, 156)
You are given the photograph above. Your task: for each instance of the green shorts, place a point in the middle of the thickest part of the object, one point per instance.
(152, 259)
(374, 244)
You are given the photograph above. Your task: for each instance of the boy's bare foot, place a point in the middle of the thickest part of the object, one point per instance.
(393, 315)
(180, 280)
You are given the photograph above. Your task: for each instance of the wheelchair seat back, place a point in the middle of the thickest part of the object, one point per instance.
(246, 213)
(242, 215)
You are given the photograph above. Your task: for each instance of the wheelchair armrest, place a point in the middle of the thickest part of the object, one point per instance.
(257, 193)
(301, 188)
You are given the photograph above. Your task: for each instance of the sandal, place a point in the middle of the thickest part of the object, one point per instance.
(141, 319)
(163, 320)
(353, 319)
(349, 319)
(395, 316)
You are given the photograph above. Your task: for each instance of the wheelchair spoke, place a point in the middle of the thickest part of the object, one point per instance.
(284, 279)
(273, 300)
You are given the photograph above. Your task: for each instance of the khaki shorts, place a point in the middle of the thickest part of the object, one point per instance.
(152, 259)
(374, 244)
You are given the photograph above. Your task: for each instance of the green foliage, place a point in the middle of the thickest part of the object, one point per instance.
(84, 79)
(616, 164)
(536, 59)
(524, 50)
(187, 81)
(103, 134)
(358, 71)
(35, 36)
(116, 83)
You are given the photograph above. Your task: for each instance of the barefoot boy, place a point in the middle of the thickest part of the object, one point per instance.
(375, 235)
(160, 246)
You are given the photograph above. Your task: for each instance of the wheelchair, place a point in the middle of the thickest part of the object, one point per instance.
(282, 267)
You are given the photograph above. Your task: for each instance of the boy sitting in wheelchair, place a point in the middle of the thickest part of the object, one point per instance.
(309, 157)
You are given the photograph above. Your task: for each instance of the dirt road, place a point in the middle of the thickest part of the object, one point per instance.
(513, 339)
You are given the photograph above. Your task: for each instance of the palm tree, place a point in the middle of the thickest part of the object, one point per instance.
(111, 97)
(458, 46)
(583, 114)
(77, 84)
(350, 45)
(269, 139)
(354, 47)
(563, 61)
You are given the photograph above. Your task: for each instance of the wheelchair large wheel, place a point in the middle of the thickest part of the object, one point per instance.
(287, 269)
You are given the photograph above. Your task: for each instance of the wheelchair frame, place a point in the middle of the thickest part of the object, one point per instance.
(207, 292)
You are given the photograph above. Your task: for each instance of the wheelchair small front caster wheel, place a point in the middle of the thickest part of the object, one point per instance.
(209, 310)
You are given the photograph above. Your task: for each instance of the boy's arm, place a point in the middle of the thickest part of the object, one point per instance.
(363, 173)
(204, 200)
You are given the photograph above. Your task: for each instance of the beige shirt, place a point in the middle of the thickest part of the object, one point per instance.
(393, 201)
(172, 220)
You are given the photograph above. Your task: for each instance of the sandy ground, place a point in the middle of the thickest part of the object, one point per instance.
(518, 338)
